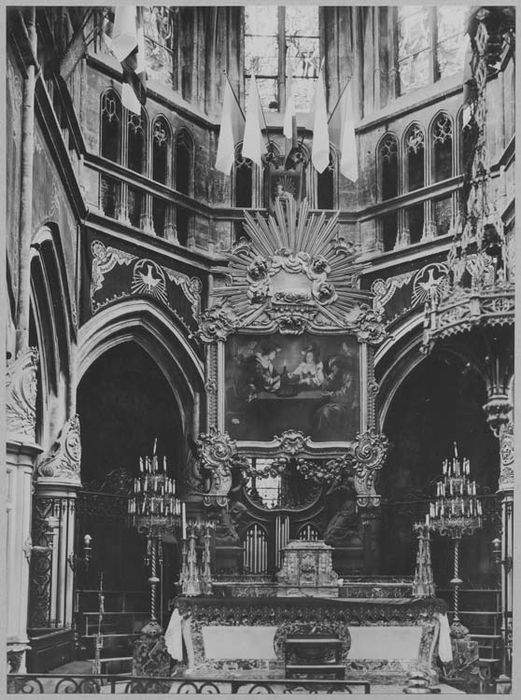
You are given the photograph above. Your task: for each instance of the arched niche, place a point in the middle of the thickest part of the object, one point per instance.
(438, 402)
(51, 330)
(125, 405)
(148, 325)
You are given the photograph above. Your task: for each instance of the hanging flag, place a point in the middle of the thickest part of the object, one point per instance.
(232, 121)
(348, 150)
(253, 144)
(128, 46)
(290, 115)
(320, 150)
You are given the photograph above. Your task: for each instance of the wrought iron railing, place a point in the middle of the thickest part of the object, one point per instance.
(112, 684)
(52, 562)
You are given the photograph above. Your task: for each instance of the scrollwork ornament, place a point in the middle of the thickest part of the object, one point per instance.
(331, 472)
(216, 448)
(368, 326)
(292, 442)
(21, 391)
(216, 323)
(367, 457)
(62, 461)
(217, 454)
(370, 450)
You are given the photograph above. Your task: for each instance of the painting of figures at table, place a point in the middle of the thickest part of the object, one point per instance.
(308, 383)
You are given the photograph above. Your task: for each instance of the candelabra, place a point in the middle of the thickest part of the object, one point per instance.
(196, 579)
(423, 583)
(155, 510)
(456, 512)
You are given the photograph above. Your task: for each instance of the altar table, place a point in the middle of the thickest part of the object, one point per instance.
(381, 640)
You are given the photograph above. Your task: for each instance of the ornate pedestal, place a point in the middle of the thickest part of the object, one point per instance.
(307, 569)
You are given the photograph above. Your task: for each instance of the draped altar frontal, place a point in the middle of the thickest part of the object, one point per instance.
(381, 640)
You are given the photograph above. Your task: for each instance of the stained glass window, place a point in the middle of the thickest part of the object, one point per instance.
(414, 44)
(442, 147)
(430, 44)
(279, 41)
(414, 142)
(450, 49)
(159, 37)
(388, 163)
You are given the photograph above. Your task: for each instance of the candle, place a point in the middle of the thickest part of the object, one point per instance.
(141, 464)
(164, 464)
(184, 520)
(427, 519)
(155, 446)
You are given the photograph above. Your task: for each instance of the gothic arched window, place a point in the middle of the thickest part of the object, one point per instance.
(441, 136)
(111, 126)
(415, 158)
(136, 142)
(161, 141)
(388, 165)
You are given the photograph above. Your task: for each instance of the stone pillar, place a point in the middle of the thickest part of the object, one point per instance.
(22, 452)
(498, 411)
(26, 188)
(146, 222)
(58, 480)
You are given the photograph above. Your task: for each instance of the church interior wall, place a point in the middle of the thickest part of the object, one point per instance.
(147, 365)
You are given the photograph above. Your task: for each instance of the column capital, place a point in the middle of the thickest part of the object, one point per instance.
(498, 412)
(20, 399)
(61, 463)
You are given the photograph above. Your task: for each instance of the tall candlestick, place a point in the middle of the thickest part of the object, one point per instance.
(183, 510)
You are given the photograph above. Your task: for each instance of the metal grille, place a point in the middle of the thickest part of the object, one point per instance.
(255, 550)
(281, 537)
(52, 562)
(309, 533)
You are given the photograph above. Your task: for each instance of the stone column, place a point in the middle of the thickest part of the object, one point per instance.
(57, 483)
(26, 188)
(146, 222)
(22, 451)
(498, 411)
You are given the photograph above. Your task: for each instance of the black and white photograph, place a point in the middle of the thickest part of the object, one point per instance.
(259, 311)
(278, 383)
